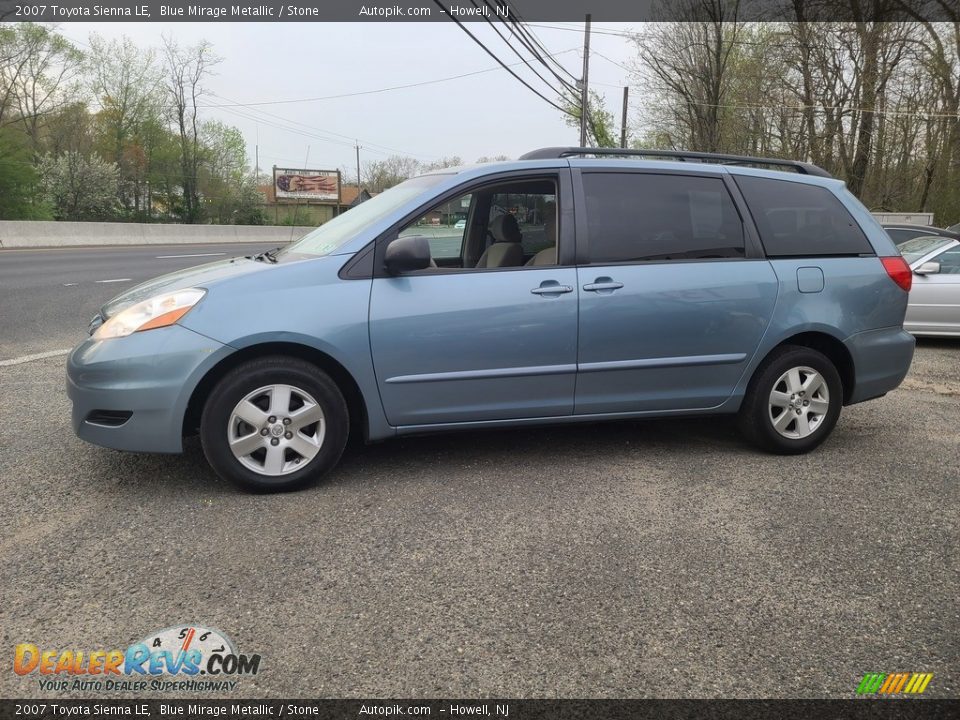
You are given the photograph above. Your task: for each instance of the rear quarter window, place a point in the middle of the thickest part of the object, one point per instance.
(800, 220)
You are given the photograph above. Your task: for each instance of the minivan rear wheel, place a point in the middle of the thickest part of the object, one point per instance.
(274, 424)
(793, 401)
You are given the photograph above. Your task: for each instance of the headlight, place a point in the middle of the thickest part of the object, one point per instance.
(156, 312)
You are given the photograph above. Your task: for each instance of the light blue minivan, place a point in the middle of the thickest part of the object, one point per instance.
(584, 285)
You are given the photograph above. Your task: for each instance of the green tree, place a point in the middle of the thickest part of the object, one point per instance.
(18, 178)
(223, 173)
(601, 125)
(71, 127)
(249, 204)
(125, 80)
(163, 199)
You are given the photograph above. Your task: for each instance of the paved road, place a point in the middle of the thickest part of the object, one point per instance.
(48, 296)
(623, 560)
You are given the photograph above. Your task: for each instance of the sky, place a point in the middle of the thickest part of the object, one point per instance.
(482, 115)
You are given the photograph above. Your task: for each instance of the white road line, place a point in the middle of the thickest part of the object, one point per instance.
(166, 257)
(114, 280)
(29, 358)
(69, 284)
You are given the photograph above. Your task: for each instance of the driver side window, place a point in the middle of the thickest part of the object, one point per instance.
(444, 227)
(505, 225)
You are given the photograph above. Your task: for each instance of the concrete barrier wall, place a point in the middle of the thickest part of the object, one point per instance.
(28, 233)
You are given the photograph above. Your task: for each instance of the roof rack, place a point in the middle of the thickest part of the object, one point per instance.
(683, 155)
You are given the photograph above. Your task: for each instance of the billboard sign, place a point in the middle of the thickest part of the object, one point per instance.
(291, 184)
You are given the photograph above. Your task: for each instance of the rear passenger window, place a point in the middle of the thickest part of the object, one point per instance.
(800, 220)
(636, 217)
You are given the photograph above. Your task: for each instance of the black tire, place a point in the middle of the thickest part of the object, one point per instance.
(757, 420)
(218, 420)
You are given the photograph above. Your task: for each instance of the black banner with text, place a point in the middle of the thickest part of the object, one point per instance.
(473, 10)
(487, 708)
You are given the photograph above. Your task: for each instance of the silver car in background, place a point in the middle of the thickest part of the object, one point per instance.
(934, 307)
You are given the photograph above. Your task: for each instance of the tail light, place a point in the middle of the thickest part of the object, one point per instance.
(899, 271)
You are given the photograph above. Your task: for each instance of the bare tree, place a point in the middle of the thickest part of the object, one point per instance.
(186, 70)
(686, 64)
(872, 98)
(126, 81)
(38, 73)
(378, 175)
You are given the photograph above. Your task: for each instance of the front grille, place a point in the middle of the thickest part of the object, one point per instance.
(108, 418)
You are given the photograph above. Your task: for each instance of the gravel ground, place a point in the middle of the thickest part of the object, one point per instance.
(653, 559)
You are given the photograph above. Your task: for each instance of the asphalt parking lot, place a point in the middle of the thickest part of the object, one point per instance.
(645, 559)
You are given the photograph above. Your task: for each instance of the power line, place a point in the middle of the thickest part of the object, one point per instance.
(287, 128)
(523, 28)
(519, 54)
(506, 67)
(313, 130)
(375, 90)
(614, 62)
(383, 90)
(540, 52)
(605, 31)
(518, 32)
(265, 122)
(371, 146)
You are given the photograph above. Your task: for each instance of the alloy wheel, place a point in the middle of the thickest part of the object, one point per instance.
(276, 430)
(799, 402)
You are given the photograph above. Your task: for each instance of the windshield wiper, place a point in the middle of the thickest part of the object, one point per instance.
(267, 255)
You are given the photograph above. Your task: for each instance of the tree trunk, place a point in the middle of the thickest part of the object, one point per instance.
(868, 33)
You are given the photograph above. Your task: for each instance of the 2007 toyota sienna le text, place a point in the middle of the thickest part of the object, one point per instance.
(580, 287)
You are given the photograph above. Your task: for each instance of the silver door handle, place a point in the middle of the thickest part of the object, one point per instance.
(551, 289)
(607, 285)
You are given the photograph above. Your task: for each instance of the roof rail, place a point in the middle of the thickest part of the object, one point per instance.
(683, 155)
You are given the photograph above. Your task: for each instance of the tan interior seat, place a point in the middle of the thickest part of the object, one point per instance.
(506, 250)
(547, 256)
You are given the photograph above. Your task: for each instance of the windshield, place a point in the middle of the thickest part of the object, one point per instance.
(333, 234)
(913, 250)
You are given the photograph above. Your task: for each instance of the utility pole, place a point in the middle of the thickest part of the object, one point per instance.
(623, 125)
(357, 146)
(584, 84)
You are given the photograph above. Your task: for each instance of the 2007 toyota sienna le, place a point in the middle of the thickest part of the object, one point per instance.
(584, 285)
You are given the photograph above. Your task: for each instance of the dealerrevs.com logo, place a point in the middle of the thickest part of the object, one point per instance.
(187, 658)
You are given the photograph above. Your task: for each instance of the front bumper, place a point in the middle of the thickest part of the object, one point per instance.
(150, 375)
(882, 360)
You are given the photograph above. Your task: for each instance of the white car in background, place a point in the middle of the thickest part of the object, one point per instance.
(934, 307)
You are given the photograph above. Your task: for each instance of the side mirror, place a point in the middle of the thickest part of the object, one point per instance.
(928, 268)
(407, 254)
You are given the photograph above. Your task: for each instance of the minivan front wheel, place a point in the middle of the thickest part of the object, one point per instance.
(793, 401)
(274, 424)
